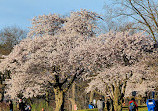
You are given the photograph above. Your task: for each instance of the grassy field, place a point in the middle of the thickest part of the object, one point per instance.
(140, 108)
(35, 107)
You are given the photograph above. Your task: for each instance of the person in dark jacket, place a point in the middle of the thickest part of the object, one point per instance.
(108, 105)
(11, 105)
(21, 105)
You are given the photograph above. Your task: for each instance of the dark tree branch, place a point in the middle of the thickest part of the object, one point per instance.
(141, 15)
(73, 79)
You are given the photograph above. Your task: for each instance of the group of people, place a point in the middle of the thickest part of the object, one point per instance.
(20, 105)
(101, 104)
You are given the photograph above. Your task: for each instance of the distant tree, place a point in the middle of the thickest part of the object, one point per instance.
(143, 13)
(113, 23)
(10, 36)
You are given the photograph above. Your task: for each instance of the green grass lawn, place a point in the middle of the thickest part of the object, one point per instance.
(140, 108)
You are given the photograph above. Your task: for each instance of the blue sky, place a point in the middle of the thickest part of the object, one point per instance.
(20, 12)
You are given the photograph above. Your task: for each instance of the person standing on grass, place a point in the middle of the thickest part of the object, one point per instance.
(10, 105)
(100, 105)
(108, 105)
(28, 107)
(133, 105)
(21, 105)
(91, 106)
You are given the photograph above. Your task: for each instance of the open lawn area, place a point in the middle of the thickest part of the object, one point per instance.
(140, 108)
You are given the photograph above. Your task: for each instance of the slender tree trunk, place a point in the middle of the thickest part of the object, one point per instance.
(1, 92)
(1, 97)
(73, 95)
(59, 99)
(47, 99)
(91, 96)
(111, 105)
(1, 88)
(72, 99)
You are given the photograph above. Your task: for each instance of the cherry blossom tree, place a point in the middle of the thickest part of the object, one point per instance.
(81, 22)
(118, 60)
(46, 24)
(42, 60)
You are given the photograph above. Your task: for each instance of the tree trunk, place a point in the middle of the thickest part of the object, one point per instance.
(91, 96)
(73, 95)
(118, 91)
(1, 92)
(60, 91)
(59, 99)
(111, 105)
(117, 99)
(47, 99)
